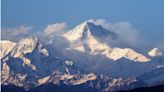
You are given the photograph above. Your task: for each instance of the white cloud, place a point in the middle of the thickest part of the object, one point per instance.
(53, 29)
(103, 23)
(14, 34)
(125, 30)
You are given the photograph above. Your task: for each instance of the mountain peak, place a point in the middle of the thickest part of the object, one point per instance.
(28, 45)
(88, 29)
(94, 39)
(155, 52)
(6, 46)
(88, 21)
(29, 40)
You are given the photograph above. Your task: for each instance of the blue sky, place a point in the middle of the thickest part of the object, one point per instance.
(147, 16)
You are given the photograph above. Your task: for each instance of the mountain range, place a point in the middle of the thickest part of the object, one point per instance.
(94, 60)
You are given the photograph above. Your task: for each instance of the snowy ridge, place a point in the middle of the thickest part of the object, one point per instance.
(30, 61)
(94, 81)
(94, 39)
(6, 46)
(27, 45)
(100, 64)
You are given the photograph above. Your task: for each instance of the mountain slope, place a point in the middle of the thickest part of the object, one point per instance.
(86, 82)
(29, 61)
(6, 47)
(29, 65)
(92, 62)
(154, 77)
(85, 40)
(94, 39)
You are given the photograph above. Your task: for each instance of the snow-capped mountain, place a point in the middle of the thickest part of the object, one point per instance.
(94, 39)
(92, 60)
(6, 47)
(29, 61)
(28, 64)
(98, 54)
(88, 31)
(101, 83)
(83, 38)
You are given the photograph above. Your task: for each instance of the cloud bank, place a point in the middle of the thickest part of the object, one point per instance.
(15, 34)
(125, 30)
(53, 29)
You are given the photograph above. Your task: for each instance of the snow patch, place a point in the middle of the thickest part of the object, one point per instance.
(155, 52)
